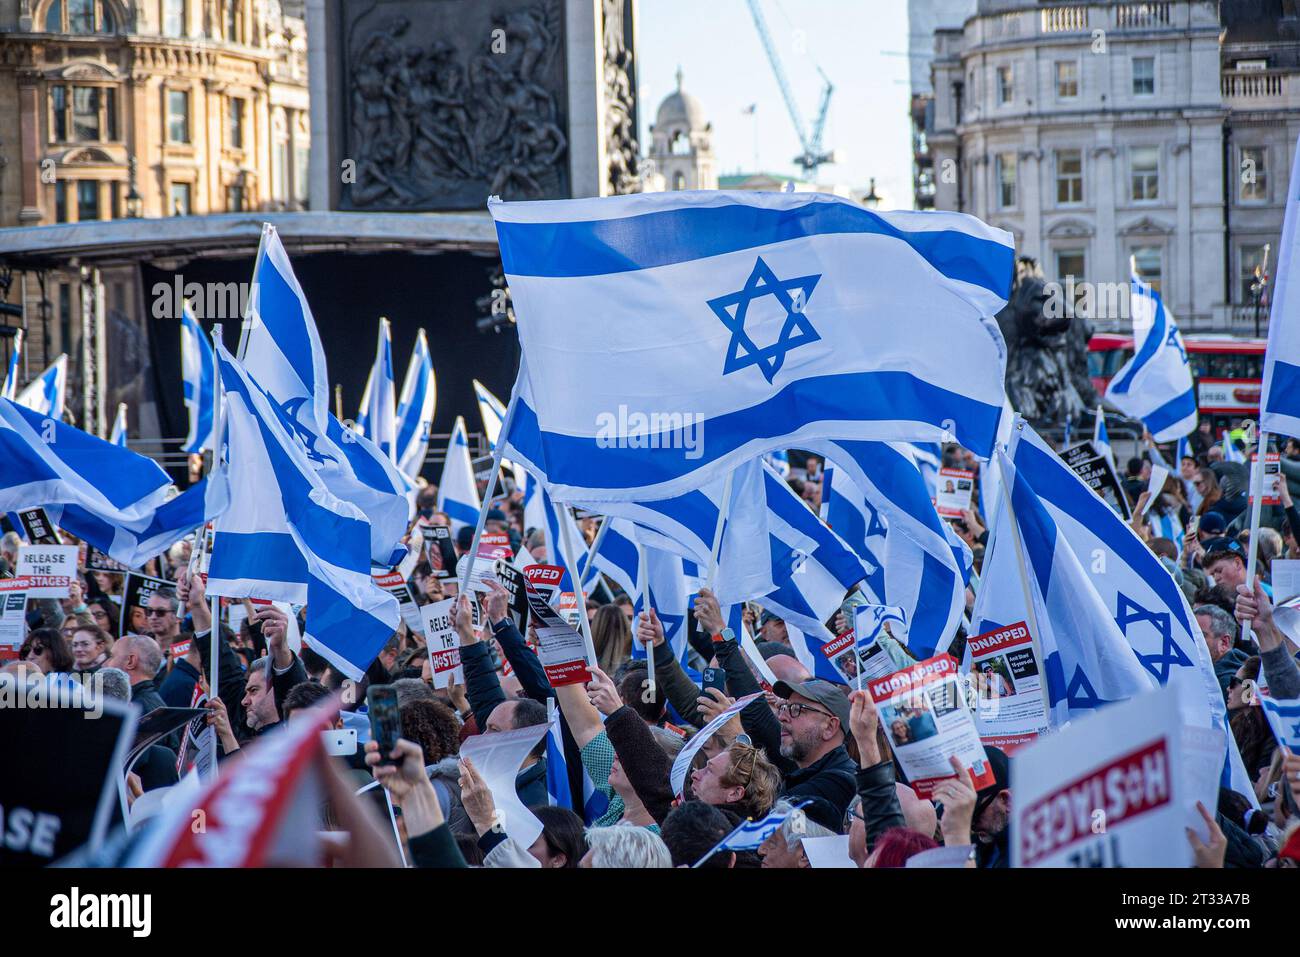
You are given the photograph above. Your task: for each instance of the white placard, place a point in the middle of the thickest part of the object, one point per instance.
(828, 852)
(682, 763)
(1154, 486)
(51, 569)
(497, 757)
(13, 616)
(1008, 678)
(1285, 578)
(443, 643)
(952, 492)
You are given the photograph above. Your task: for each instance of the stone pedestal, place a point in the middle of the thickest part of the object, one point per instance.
(422, 105)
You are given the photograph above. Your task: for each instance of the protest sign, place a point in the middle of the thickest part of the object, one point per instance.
(1285, 574)
(1096, 469)
(136, 592)
(1105, 791)
(545, 580)
(1272, 475)
(66, 794)
(1155, 485)
(952, 494)
(13, 616)
(857, 661)
(439, 550)
(393, 583)
(37, 527)
(560, 648)
(1008, 678)
(570, 608)
(496, 757)
(49, 568)
(95, 560)
(158, 724)
(924, 715)
(443, 643)
(512, 579)
(828, 852)
(682, 763)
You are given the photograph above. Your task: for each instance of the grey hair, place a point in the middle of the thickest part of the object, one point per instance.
(114, 682)
(671, 744)
(625, 845)
(147, 650)
(412, 689)
(10, 542)
(797, 826)
(1222, 625)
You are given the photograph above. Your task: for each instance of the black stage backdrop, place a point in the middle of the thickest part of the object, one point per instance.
(348, 293)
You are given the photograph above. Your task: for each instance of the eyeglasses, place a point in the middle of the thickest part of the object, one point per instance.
(795, 708)
(1235, 682)
(157, 612)
(98, 613)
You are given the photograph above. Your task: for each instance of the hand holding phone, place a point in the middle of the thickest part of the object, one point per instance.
(385, 720)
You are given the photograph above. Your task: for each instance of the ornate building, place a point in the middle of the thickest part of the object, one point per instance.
(140, 108)
(1096, 132)
(681, 148)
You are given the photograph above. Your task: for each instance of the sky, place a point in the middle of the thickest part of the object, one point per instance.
(861, 46)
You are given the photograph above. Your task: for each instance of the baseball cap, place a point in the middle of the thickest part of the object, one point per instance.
(1216, 548)
(1212, 523)
(496, 515)
(829, 696)
(1001, 767)
(767, 616)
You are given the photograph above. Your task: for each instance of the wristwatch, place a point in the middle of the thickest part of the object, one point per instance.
(725, 635)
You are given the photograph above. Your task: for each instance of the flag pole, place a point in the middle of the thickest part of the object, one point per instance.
(1257, 501)
(645, 604)
(723, 511)
(1035, 636)
(584, 626)
(218, 429)
(244, 326)
(486, 503)
(595, 547)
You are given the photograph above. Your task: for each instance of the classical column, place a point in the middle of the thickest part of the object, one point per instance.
(29, 122)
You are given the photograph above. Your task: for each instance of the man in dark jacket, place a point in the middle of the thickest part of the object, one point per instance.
(814, 720)
(140, 657)
(1220, 632)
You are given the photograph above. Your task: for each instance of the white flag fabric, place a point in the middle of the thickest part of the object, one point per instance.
(1155, 385)
(198, 380)
(46, 393)
(10, 389)
(743, 323)
(415, 408)
(378, 418)
(1280, 402)
(457, 489)
(118, 435)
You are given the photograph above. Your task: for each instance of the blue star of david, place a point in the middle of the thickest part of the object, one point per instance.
(1172, 340)
(1078, 693)
(306, 438)
(671, 625)
(796, 331)
(1295, 731)
(1127, 612)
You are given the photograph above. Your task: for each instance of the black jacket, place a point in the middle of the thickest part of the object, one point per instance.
(830, 782)
(145, 694)
(880, 807)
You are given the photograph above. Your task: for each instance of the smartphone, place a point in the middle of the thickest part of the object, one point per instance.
(714, 678)
(1194, 525)
(340, 743)
(385, 719)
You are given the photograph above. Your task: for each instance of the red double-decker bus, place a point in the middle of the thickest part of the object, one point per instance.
(1228, 371)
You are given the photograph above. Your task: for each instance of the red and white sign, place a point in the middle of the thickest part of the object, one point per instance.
(953, 491)
(443, 643)
(1007, 678)
(1272, 476)
(495, 545)
(924, 714)
(13, 616)
(560, 648)
(1226, 396)
(50, 569)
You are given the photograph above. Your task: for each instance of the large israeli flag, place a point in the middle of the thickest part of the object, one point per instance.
(712, 327)
(415, 408)
(198, 376)
(457, 489)
(118, 435)
(1135, 589)
(288, 537)
(377, 419)
(1280, 402)
(1156, 384)
(882, 508)
(116, 499)
(46, 393)
(1087, 660)
(10, 389)
(282, 352)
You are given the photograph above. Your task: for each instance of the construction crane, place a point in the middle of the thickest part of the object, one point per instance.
(813, 155)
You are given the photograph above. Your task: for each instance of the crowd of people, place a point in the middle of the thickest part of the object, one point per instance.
(810, 750)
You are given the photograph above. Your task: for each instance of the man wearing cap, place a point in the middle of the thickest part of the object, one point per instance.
(990, 823)
(1220, 631)
(772, 628)
(814, 719)
(1225, 562)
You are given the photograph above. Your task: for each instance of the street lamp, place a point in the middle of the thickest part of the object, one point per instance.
(872, 199)
(134, 201)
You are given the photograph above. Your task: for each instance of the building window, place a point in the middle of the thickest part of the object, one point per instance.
(1072, 262)
(87, 200)
(61, 201)
(1252, 259)
(1069, 177)
(1144, 75)
(235, 198)
(1005, 164)
(65, 317)
(236, 123)
(79, 16)
(173, 18)
(180, 199)
(301, 167)
(233, 19)
(89, 112)
(1144, 173)
(1006, 85)
(1067, 79)
(1253, 174)
(1149, 263)
(178, 116)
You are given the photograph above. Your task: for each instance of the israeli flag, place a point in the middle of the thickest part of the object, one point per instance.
(116, 499)
(492, 411)
(1230, 451)
(779, 460)
(1101, 437)
(1156, 384)
(669, 591)
(457, 489)
(750, 835)
(1088, 663)
(198, 377)
(764, 320)
(559, 792)
(555, 538)
(618, 557)
(928, 457)
(378, 417)
(10, 390)
(1280, 400)
(881, 505)
(289, 538)
(1136, 592)
(1284, 718)
(118, 435)
(281, 351)
(415, 408)
(46, 393)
